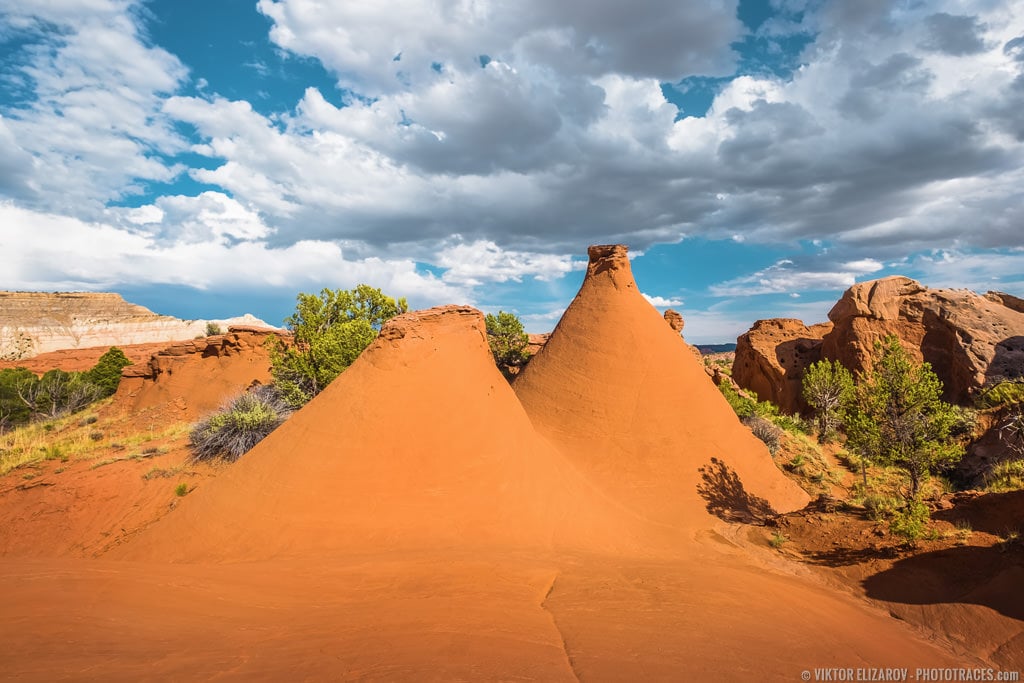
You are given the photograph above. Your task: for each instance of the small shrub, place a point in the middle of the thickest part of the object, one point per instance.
(1006, 393)
(85, 422)
(827, 385)
(155, 472)
(963, 531)
(764, 430)
(106, 374)
(793, 424)
(911, 522)
(96, 436)
(896, 417)
(778, 540)
(212, 329)
(329, 332)
(181, 489)
(741, 405)
(880, 507)
(508, 341)
(1009, 537)
(235, 429)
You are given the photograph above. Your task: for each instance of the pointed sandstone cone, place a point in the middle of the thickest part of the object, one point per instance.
(420, 444)
(619, 392)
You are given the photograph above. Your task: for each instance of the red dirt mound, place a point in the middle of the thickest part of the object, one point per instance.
(622, 395)
(187, 380)
(419, 444)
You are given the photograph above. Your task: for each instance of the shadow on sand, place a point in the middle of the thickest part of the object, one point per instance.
(726, 498)
(972, 575)
(999, 514)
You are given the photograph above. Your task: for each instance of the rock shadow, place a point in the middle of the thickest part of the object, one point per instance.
(990, 577)
(994, 513)
(1008, 362)
(722, 490)
(845, 557)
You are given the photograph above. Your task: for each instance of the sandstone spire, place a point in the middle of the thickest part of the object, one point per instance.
(619, 392)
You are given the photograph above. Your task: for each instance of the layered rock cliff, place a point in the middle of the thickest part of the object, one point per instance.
(32, 323)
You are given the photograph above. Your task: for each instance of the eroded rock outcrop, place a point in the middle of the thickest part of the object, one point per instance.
(1012, 302)
(674, 320)
(772, 356)
(970, 340)
(32, 323)
(187, 380)
(537, 342)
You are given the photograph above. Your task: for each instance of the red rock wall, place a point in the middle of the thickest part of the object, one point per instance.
(190, 379)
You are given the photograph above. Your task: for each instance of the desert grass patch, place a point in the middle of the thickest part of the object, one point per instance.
(1006, 476)
(804, 461)
(141, 455)
(77, 438)
(962, 531)
(777, 540)
(888, 481)
(163, 472)
(52, 440)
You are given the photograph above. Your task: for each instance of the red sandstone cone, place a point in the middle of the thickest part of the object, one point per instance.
(619, 392)
(420, 444)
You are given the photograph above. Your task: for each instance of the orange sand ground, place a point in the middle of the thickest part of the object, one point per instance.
(417, 522)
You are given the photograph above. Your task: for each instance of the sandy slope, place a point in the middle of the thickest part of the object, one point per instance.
(421, 444)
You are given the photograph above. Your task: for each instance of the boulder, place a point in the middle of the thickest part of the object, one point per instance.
(674, 320)
(970, 340)
(771, 358)
(537, 342)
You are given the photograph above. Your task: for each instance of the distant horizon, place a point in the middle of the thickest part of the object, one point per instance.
(212, 307)
(759, 157)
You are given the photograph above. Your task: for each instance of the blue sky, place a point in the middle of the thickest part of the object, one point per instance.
(208, 159)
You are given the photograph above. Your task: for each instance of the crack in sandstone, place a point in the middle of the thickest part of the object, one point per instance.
(554, 622)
